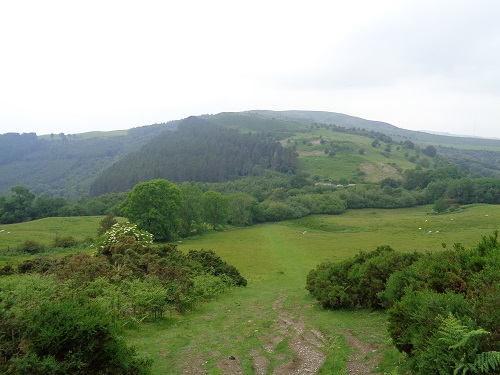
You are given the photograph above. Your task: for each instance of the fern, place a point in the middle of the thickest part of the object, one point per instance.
(483, 364)
(460, 338)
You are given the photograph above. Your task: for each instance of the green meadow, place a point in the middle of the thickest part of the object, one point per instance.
(275, 258)
(245, 326)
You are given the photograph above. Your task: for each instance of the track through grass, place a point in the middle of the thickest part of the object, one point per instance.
(254, 329)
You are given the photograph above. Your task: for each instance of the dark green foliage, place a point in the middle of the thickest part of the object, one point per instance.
(356, 282)
(191, 213)
(64, 241)
(37, 265)
(214, 265)
(106, 223)
(65, 165)
(66, 337)
(440, 206)
(155, 206)
(243, 209)
(197, 151)
(58, 317)
(463, 283)
(16, 208)
(31, 247)
(444, 307)
(215, 209)
(429, 151)
(412, 321)
(45, 206)
(456, 345)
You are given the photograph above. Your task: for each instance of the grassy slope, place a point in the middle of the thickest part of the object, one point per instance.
(276, 258)
(312, 159)
(44, 230)
(347, 163)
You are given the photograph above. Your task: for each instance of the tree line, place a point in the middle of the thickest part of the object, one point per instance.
(64, 165)
(271, 196)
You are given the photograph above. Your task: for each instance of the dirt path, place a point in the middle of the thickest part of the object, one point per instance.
(364, 357)
(306, 346)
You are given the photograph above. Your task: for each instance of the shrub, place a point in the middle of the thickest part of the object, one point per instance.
(412, 320)
(64, 337)
(31, 247)
(214, 265)
(106, 223)
(64, 241)
(356, 282)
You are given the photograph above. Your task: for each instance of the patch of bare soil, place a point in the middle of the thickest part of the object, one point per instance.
(305, 344)
(230, 366)
(195, 365)
(316, 152)
(378, 171)
(364, 358)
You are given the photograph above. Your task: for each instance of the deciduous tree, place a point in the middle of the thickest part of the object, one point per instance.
(155, 206)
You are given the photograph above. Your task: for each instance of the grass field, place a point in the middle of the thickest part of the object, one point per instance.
(275, 258)
(261, 324)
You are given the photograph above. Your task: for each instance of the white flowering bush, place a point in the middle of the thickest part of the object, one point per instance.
(118, 231)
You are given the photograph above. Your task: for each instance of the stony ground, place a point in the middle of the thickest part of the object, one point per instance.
(307, 346)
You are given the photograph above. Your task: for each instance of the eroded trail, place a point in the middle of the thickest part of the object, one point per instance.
(271, 327)
(305, 344)
(364, 357)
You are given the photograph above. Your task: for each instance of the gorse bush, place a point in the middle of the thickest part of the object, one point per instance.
(31, 247)
(443, 307)
(356, 282)
(60, 316)
(64, 241)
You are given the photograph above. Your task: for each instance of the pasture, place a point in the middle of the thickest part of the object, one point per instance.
(259, 327)
(273, 325)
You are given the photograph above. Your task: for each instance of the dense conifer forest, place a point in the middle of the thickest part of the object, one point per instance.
(197, 151)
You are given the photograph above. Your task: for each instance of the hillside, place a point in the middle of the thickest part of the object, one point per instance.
(65, 165)
(313, 117)
(197, 151)
(331, 147)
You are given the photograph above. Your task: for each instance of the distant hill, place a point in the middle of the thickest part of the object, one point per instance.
(197, 151)
(330, 147)
(347, 121)
(66, 165)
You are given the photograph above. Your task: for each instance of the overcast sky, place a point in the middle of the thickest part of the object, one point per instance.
(76, 66)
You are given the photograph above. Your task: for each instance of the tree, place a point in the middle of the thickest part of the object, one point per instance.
(440, 206)
(215, 208)
(192, 211)
(17, 207)
(242, 207)
(106, 223)
(155, 206)
(430, 151)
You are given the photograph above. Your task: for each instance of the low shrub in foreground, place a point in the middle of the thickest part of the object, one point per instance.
(443, 307)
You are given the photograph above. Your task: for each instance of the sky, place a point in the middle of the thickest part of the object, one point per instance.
(77, 66)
